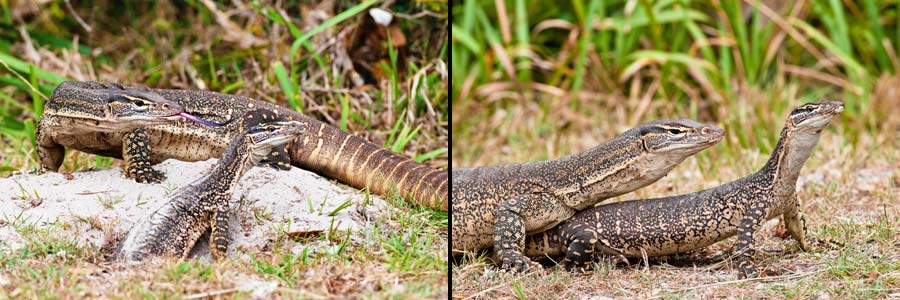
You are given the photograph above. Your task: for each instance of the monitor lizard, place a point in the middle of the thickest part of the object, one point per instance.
(175, 226)
(679, 224)
(499, 205)
(325, 150)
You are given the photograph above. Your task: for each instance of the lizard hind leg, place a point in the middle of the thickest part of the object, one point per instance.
(580, 238)
(744, 250)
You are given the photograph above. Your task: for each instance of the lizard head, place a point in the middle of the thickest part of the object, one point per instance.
(265, 136)
(814, 116)
(141, 108)
(684, 137)
(110, 109)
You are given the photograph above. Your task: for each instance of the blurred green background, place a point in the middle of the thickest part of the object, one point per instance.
(573, 68)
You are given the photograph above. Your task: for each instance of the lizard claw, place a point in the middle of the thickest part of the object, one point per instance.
(747, 270)
(517, 263)
(145, 175)
(578, 267)
(828, 243)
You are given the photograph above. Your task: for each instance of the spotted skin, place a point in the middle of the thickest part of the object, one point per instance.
(679, 224)
(499, 205)
(219, 238)
(136, 154)
(173, 228)
(278, 160)
(326, 150)
(99, 120)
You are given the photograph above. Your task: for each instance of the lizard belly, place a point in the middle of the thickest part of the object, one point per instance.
(185, 142)
(98, 143)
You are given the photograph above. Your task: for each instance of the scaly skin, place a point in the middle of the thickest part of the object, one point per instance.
(499, 205)
(326, 149)
(684, 223)
(174, 227)
(78, 116)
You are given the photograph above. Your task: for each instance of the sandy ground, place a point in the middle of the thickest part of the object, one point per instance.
(265, 201)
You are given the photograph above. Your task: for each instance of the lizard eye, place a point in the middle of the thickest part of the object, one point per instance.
(675, 131)
(256, 129)
(140, 105)
(803, 109)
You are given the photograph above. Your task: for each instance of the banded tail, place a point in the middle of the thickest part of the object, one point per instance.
(361, 164)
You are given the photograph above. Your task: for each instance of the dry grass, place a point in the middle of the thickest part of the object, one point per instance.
(368, 266)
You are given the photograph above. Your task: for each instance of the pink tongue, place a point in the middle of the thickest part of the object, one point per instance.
(199, 120)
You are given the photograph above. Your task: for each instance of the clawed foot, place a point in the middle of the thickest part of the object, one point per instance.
(829, 244)
(578, 267)
(747, 270)
(517, 263)
(145, 174)
(39, 170)
(277, 165)
(616, 259)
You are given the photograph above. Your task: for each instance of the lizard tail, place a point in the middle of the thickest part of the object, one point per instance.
(364, 165)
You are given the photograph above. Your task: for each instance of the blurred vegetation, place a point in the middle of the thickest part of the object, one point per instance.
(578, 65)
(328, 60)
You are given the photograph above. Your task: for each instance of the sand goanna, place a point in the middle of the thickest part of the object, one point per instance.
(678, 224)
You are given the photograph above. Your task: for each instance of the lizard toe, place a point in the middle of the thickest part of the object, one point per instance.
(147, 175)
(747, 271)
(518, 264)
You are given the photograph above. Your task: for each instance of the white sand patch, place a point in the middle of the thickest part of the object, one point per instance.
(294, 200)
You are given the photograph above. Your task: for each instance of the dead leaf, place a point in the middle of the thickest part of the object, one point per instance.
(232, 32)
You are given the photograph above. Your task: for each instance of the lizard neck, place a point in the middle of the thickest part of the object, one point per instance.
(791, 152)
(593, 164)
(605, 171)
(235, 161)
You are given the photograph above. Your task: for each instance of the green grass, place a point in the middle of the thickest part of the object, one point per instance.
(281, 73)
(724, 62)
(408, 244)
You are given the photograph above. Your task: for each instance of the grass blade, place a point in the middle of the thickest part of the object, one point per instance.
(290, 90)
(430, 154)
(330, 22)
